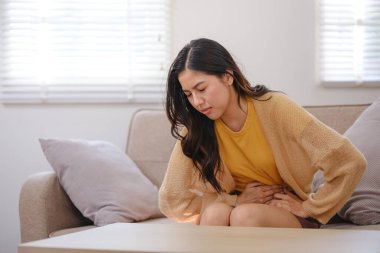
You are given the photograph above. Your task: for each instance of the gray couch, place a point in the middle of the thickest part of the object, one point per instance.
(45, 209)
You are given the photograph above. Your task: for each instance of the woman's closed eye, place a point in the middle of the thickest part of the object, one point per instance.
(201, 89)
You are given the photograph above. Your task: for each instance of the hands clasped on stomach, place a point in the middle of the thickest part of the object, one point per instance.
(259, 205)
(258, 193)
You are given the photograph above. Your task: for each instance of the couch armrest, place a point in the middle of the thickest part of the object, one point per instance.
(44, 207)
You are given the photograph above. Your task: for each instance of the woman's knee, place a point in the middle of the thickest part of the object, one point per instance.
(217, 214)
(252, 215)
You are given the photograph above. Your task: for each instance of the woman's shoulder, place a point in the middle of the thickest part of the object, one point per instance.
(279, 108)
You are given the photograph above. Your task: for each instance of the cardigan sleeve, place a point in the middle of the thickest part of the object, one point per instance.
(179, 196)
(310, 146)
(342, 166)
(175, 198)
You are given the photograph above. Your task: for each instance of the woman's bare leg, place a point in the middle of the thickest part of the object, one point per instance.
(217, 214)
(260, 215)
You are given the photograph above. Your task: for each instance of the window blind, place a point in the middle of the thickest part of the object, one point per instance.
(349, 43)
(84, 50)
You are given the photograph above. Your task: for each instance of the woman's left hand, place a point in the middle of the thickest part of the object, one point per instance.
(289, 202)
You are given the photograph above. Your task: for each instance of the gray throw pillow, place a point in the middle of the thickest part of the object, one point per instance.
(102, 181)
(363, 207)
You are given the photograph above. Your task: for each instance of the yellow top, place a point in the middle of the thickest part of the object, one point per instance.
(246, 153)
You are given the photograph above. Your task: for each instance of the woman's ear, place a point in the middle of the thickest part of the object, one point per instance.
(229, 77)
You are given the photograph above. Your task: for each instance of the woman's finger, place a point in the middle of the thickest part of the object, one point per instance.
(295, 197)
(281, 204)
(283, 196)
(268, 199)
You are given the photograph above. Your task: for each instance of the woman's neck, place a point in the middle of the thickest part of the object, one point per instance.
(236, 115)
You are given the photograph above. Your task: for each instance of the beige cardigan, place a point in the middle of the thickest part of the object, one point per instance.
(301, 145)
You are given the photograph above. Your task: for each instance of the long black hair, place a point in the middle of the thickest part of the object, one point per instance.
(200, 143)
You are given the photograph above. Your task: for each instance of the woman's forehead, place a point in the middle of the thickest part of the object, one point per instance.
(190, 79)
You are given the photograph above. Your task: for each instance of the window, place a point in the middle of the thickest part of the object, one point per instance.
(83, 50)
(349, 43)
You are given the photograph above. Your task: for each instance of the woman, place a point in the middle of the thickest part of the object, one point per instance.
(246, 156)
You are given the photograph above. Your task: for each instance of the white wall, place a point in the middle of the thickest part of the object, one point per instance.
(273, 41)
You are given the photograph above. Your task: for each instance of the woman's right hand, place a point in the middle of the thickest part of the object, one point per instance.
(257, 192)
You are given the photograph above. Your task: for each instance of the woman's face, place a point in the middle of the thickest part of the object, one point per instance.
(209, 94)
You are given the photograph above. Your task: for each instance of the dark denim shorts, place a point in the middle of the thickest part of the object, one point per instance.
(308, 222)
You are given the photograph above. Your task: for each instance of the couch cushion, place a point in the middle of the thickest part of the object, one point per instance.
(350, 226)
(101, 181)
(70, 230)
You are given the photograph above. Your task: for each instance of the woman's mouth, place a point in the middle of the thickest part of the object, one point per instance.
(206, 111)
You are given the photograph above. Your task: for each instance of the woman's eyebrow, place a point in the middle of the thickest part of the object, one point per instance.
(196, 85)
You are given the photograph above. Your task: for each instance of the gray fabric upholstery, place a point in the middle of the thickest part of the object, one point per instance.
(339, 117)
(150, 143)
(45, 208)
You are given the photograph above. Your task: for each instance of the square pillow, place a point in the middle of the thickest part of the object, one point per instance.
(363, 207)
(102, 181)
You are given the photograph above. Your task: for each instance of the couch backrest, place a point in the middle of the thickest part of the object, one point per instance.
(150, 142)
(338, 117)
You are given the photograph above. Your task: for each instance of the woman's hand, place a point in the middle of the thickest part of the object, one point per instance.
(257, 192)
(289, 202)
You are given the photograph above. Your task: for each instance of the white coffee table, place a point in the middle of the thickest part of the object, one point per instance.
(133, 237)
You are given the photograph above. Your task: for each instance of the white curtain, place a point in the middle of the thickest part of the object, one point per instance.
(84, 50)
(349, 43)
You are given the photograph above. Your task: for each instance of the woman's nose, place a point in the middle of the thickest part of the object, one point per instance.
(197, 100)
